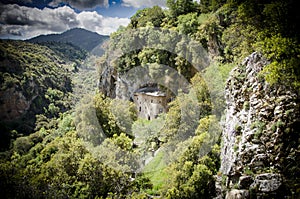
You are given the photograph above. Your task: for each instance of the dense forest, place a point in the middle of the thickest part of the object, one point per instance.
(66, 133)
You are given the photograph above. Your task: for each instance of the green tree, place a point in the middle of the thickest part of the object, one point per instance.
(142, 18)
(192, 174)
(22, 145)
(285, 60)
(106, 119)
(180, 7)
(125, 114)
(188, 23)
(196, 163)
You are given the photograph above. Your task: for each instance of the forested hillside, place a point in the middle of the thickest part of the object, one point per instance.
(225, 134)
(35, 85)
(79, 37)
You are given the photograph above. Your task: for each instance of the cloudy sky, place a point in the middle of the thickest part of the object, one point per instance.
(23, 19)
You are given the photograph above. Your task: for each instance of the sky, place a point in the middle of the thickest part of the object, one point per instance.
(24, 19)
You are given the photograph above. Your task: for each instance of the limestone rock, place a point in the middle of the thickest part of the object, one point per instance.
(267, 182)
(259, 155)
(14, 104)
(237, 194)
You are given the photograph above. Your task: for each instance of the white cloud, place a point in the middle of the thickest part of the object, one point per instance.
(110, 24)
(103, 25)
(20, 22)
(144, 3)
(89, 20)
(81, 4)
(32, 21)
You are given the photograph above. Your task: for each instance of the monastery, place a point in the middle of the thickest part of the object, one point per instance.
(150, 102)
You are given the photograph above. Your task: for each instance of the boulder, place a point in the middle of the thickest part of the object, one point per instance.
(237, 194)
(267, 182)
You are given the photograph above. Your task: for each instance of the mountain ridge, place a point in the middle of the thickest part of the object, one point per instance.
(80, 37)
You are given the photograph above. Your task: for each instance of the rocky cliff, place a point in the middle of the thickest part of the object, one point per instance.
(260, 146)
(123, 85)
(116, 85)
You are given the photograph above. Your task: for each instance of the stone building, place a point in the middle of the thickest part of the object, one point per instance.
(150, 102)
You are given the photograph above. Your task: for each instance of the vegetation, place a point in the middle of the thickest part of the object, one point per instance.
(39, 82)
(68, 52)
(74, 36)
(100, 149)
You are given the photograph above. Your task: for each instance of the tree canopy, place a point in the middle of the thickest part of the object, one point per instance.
(100, 148)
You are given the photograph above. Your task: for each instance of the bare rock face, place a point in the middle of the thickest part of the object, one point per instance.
(14, 103)
(260, 150)
(116, 85)
(123, 85)
(267, 182)
(237, 194)
(106, 83)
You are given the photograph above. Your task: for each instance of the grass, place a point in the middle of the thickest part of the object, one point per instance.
(155, 171)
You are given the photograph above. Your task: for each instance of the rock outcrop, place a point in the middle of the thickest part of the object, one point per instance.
(260, 149)
(123, 85)
(14, 104)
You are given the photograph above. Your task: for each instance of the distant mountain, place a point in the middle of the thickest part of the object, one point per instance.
(82, 38)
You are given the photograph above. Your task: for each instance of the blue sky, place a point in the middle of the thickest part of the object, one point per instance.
(116, 9)
(23, 19)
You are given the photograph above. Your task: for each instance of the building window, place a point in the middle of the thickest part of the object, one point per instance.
(151, 101)
(160, 110)
(148, 117)
(140, 109)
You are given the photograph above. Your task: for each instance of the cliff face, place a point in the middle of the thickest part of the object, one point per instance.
(14, 104)
(116, 85)
(123, 85)
(260, 149)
